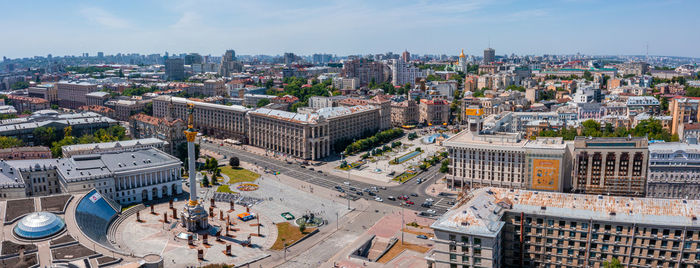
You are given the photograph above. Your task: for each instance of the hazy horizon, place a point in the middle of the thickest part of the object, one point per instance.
(591, 27)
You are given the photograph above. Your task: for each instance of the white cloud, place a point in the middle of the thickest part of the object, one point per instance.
(104, 18)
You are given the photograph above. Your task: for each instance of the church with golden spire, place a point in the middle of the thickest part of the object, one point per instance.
(460, 66)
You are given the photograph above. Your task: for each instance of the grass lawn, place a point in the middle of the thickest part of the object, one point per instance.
(224, 189)
(290, 233)
(405, 176)
(397, 248)
(236, 175)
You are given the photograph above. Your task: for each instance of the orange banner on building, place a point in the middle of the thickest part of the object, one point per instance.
(545, 174)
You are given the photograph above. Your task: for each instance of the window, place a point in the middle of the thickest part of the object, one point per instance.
(550, 222)
(477, 252)
(584, 225)
(562, 223)
(573, 224)
(452, 237)
(477, 241)
(618, 228)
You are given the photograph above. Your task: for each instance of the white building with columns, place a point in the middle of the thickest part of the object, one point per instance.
(127, 177)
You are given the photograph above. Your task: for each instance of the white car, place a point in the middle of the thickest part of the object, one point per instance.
(378, 199)
(431, 211)
(429, 200)
(346, 183)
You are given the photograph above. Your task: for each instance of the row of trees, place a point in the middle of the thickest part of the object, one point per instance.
(379, 138)
(651, 128)
(295, 86)
(48, 136)
(9, 142)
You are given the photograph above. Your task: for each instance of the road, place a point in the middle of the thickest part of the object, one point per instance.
(332, 181)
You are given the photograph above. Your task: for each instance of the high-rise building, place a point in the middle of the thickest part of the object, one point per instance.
(406, 56)
(289, 58)
(489, 55)
(616, 166)
(175, 69)
(193, 58)
(404, 73)
(321, 58)
(367, 71)
(229, 64)
(100, 54)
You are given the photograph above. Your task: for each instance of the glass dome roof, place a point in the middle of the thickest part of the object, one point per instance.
(39, 225)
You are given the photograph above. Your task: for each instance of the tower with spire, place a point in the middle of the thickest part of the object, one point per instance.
(462, 62)
(194, 217)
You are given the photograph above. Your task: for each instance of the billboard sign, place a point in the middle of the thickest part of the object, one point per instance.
(545, 174)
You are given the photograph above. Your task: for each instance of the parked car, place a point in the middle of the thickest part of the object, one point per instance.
(409, 202)
(414, 194)
(353, 189)
(391, 198)
(429, 200)
(378, 199)
(359, 193)
(346, 183)
(430, 211)
(319, 171)
(422, 237)
(341, 190)
(426, 204)
(371, 193)
(311, 169)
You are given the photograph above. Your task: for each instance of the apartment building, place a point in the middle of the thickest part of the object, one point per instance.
(72, 94)
(25, 152)
(611, 166)
(216, 120)
(508, 160)
(298, 135)
(28, 104)
(47, 92)
(171, 131)
(434, 112)
(404, 113)
(683, 110)
(674, 170)
(497, 227)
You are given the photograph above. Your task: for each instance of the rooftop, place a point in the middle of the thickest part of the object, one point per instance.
(113, 144)
(514, 140)
(480, 211)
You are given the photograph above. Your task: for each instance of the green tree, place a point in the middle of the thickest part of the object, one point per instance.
(45, 135)
(20, 85)
(54, 106)
(9, 142)
(445, 166)
(205, 181)
(234, 162)
(263, 102)
(614, 263)
(148, 109)
(587, 75)
(302, 227)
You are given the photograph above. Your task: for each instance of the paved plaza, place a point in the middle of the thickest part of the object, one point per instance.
(152, 235)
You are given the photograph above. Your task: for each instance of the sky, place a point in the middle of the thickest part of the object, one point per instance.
(349, 27)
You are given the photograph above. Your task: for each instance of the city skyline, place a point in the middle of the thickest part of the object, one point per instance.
(348, 28)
